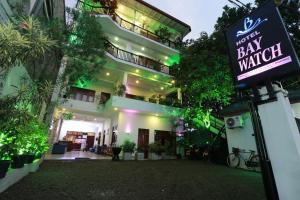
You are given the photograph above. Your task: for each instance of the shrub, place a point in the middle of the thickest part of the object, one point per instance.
(128, 146)
(5, 145)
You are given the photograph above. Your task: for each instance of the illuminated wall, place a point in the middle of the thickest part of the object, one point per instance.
(130, 121)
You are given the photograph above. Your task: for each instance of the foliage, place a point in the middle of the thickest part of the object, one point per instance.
(128, 146)
(5, 141)
(22, 41)
(68, 116)
(85, 50)
(204, 73)
(31, 139)
(120, 90)
(156, 148)
(163, 33)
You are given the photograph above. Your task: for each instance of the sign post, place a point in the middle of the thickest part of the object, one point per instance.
(260, 52)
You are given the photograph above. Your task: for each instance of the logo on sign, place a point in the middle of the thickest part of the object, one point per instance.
(250, 25)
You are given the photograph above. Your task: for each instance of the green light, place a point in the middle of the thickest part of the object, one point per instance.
(82, 83)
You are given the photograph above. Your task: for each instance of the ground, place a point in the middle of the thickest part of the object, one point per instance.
(137, 180)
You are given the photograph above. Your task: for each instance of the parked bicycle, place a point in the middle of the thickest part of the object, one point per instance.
(252, 162)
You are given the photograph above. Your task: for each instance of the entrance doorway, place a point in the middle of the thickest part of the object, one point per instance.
(143, 141)
(166, 138)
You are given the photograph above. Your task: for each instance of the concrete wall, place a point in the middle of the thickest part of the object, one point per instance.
(16, 77)
(129, 123)
(242, 137)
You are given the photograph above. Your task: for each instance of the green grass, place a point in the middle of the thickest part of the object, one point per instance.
(132, 180)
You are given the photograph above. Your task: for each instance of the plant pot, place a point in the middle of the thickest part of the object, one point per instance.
(116, 151)
(18, 161)
(29, 159)
(4, 165)
(127, 156)
(140, 155)
(154, 156)
(38, 156)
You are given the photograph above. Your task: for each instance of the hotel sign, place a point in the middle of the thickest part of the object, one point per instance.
(260, 48)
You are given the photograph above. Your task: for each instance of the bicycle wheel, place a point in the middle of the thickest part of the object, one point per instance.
(233, 160)
(255, 163)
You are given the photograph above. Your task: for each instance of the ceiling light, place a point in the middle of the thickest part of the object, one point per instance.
(107, 73)
(137, 71)
(162, 88)
(166, 57)
(137, 81)
(121, 7)
(143, 48)
(115, 109)
(155, 76)
(116, 39)
(173, 81)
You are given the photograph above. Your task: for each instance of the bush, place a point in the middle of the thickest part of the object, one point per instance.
(5, 144)
(128, 146)
(156, 148)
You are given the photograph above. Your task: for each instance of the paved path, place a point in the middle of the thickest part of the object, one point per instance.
(136, 180)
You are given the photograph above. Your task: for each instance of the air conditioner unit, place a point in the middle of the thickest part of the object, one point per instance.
(234, 122)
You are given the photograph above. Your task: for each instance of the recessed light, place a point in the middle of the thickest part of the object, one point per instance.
(162, 88)
(143, 48)
(121, 7)
(115, 109)
(137, 71)
(107, 73)
(116, 39)
(137, 81)
(166, 57)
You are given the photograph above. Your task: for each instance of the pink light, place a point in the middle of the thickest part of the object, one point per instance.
(128, 128)
(267, 67)
(130, 111)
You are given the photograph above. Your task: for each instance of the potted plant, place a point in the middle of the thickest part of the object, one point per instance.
(5, 160)
(120, 90)
(128, 149)
(140, 155)
(155, 150)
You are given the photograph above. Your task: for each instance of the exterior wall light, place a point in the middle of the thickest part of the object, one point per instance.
(115, 109)
(155, 76)
(137, 81)
(173, 81)
(162, 88)
(116, 39)
(137, 71)
(107, 74)
(143, 48)
(166, 57)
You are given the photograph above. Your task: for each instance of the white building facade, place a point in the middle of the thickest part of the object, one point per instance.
(138, 59)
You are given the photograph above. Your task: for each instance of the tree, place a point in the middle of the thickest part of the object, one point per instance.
(204, 72)
(85, 48)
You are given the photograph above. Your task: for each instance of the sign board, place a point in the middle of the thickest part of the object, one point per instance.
(260, 48)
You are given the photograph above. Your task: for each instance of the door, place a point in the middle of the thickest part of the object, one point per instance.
(90, 142)
(143, 141)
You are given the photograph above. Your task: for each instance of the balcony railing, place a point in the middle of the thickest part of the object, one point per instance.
(136, 59)
(127, 25)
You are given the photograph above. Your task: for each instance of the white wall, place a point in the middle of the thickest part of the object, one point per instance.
(14, 79)
(129, 123)
(80, 126)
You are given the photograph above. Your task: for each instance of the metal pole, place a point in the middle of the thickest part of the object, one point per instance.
(266, 167)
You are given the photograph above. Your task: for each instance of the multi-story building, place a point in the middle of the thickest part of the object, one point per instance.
(135, 97)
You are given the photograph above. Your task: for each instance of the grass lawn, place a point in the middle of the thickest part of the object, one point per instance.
(130, 180)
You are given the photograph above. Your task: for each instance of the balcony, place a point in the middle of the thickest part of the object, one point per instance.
(136, 59)
(100, 10)
(138, 106)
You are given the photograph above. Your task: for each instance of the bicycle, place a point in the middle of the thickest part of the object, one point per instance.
(234, 159)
